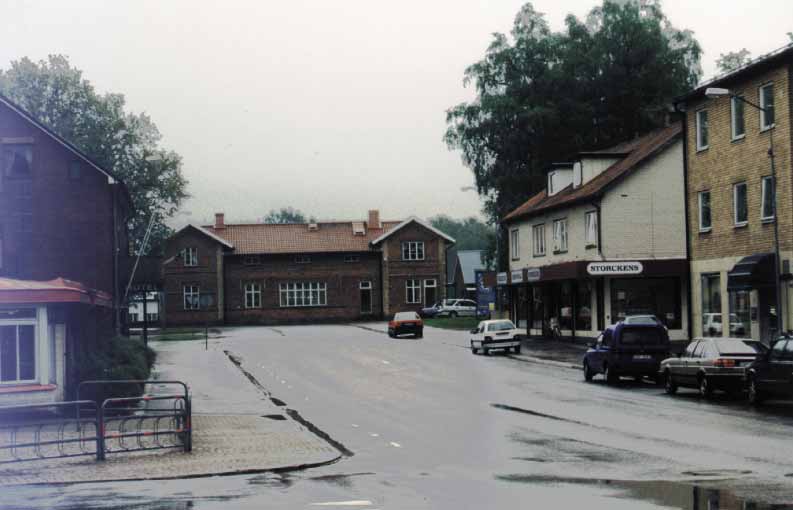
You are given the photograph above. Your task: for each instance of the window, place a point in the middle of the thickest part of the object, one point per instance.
(767, 212)
(152, 317)
(17, 161)
(192, 297)
(768, 114)
(661, 297)
(303, 294)
(430, 287)
(413, 250)
(513, 244)
(190, 257)
(303, 259)
(551, 175)
(740, 324)
(711, 304)
(366, 296)
(702, 130)
(17, 353)
(778, 350)
(253, 295)
(75, 170)
(413, 291)
(251, 260)
(538, 234)
(705, 220)
(560, 236)
(740, 210)
(591, 227)
(352, 258)
(736, 118)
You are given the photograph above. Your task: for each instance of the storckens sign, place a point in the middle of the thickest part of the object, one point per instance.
(614, 268)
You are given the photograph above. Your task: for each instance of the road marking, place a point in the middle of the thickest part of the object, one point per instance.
(360, 502)
(355, 425)
(386, 362)
(374, 435)
(396, 445)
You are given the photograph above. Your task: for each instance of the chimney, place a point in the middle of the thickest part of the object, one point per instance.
(220, 222)
(374, 219)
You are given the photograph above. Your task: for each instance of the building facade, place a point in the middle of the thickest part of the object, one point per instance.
(301, 273)
(604, 240)
(731, 192)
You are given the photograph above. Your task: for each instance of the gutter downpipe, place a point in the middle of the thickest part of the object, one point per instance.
(686, 213)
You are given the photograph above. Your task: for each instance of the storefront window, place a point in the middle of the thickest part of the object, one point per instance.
(538, 310)
(583, 303)
(643, 296)
(566, 306)
(521, 304)
(711, 305)
(740, 323)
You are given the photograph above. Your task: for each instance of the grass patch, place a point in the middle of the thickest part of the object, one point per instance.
(181, 334)
(458, 323)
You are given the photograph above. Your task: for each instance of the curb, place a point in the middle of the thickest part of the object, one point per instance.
(543, 361)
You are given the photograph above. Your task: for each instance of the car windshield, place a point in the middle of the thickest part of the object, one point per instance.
(737, 348)
(641, 336)
(406, 316)
(501, 326)
(642, 319)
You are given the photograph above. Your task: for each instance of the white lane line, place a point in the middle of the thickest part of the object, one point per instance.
(396, 445)
(374, 435)
(355, 425)
(386, 362)
(360, 502)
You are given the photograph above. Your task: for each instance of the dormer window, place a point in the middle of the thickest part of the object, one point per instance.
(413, 250)
(17, 160)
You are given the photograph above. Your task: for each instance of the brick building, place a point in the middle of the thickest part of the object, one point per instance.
(62, 227)
(730, 198)
(295, 273)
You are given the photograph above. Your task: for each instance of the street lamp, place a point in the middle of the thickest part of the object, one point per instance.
(716, 92)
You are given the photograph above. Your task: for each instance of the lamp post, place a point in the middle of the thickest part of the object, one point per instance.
(715, 92)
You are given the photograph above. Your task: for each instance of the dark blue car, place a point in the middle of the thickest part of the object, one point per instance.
(629, 348)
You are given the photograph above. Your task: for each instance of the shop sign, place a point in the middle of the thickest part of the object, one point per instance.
(533, 274)
(501, 279)
(517, 276)
(614, 268)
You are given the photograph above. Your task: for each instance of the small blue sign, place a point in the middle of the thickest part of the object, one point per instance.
(485, 296)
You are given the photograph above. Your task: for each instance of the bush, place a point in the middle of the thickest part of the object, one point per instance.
(119, 358)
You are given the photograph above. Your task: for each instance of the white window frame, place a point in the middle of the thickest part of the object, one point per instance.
(191, 291)
(253, 290)
(764, 125)
(734, 102)
(735, 203)
(765, 182)
(303, 294)
(591, 228)
(352, 258)
(365, 285)
(190, 256)
(560, 235)
(413, 250)
(302, 259)
(36, 351)
(514, 243)
(700, 210)
(550, 183)
(538, 240)
(413, 287)
(698, 124)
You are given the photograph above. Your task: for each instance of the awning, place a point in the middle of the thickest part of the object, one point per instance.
(752, 272)
(59, 290)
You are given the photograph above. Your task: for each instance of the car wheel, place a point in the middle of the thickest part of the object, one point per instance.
(754, 394)
(610, 375)
(452, 315)
(486, 352)
(588, 372)
(473, 349)
(517, 350)
(669, 384)
(705, 389)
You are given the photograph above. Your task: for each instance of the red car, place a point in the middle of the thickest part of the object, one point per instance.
(406, 323)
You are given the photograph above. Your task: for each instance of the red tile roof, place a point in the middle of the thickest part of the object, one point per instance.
(262, 238)
(638, 151)
(59, 290)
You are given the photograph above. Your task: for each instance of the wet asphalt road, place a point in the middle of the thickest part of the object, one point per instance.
(431, 426)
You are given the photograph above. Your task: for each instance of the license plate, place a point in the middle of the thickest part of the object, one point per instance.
(642, 356)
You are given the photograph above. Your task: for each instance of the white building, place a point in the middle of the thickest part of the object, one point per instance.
(606, 239)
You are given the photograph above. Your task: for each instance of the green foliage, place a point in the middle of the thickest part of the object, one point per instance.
(544, 96)
(470, 234)
(286, 215)
(733, 60)
(125, 143)
(117, 359)
(458, 323)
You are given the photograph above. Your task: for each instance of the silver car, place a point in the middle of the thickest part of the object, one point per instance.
(457, 308)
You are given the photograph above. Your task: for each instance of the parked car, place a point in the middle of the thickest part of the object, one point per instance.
(712, 323)
(457, 308)
(406, 323)
(430, 311)
(627, 349)
(493, 335)
(771, 374)
(710, 364)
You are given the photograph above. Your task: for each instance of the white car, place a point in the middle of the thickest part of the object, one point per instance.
(712, 326)
(457, 308)
(495, 334)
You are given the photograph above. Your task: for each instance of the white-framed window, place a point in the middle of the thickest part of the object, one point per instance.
(702, 129)
(740, 209)
(253, 295)
(768, 114)
(560, 235)
(737, 124)
(302, 294)
(251, 260)
(767, 199)
(591, 228)
(17, 160)
(365, 285)
(190, 257)
(538, 239)
(705, 219)
(413, 291)
(152, 317)
(551, 189)
(413, 250)
(352, 258)
(192, 297)
(17, 351)
(303, 259)
(514, 243)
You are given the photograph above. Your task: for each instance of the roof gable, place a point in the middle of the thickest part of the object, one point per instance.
(205, 232)
(407, 222)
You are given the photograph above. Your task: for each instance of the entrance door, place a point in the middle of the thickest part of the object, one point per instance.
(430, 294)
(366, 297)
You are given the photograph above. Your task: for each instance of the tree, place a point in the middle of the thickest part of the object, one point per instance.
(286, 215)
(125, 143)
(544, 96)
(470, 234)
(733, 60)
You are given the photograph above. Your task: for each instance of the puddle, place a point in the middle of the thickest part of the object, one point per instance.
(680, 495)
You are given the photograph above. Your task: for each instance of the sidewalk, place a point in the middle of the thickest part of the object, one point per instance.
(236, 429)
(564, 352)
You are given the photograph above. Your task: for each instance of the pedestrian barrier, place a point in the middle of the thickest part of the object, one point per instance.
(87, 427)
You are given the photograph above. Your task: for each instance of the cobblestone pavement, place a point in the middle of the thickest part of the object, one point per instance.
(236, 429)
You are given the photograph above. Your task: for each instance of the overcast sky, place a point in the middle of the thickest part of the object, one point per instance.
(330, 106)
